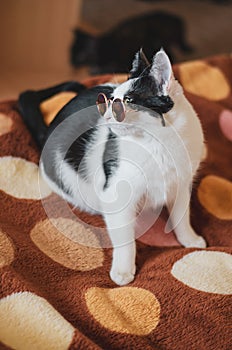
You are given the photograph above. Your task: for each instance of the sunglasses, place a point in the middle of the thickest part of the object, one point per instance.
(118, 107)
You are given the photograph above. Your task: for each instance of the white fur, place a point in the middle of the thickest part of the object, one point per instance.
(156, 163)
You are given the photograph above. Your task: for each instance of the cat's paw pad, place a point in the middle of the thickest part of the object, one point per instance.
(121, 278)
(196, 242)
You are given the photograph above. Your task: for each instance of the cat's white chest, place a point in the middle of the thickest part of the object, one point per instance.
(161, 172)
(157, 166)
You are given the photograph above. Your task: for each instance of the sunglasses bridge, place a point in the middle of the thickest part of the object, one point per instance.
(118, 107)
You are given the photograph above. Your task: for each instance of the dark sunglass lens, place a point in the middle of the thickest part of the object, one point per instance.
(118, 110)
(101, 104)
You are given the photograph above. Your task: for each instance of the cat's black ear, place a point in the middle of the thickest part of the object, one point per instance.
(139, 65)
(161, 70)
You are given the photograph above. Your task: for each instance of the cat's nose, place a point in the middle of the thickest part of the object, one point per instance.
(108, 114)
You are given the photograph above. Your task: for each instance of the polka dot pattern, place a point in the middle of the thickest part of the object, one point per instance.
(195, 77)
(156, 235)
(53, 105)
(6, 249)
(126, 310)
(32, 322)
(204, 153)
(215, 195)
(58, 239)
(207, 271)
(225, 122)
(5, 124)
(20, 178)
(56, 292)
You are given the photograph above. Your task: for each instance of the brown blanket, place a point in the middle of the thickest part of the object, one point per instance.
(56, 293)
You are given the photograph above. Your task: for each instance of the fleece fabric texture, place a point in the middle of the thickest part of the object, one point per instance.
(55, 293)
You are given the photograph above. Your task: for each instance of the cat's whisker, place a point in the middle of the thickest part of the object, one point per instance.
(145, 70)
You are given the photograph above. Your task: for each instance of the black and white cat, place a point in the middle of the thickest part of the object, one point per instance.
(149, 140)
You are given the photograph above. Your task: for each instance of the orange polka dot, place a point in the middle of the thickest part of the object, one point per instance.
(28, 322)
(53, 105)
(204, 80)
(5, 124)
(215, 195)
(59, 239)
(128, 310)
(6, 249)
(225, 122)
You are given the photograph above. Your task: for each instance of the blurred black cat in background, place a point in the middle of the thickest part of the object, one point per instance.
(112, 52)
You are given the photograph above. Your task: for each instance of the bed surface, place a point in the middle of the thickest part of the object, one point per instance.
(56, 293)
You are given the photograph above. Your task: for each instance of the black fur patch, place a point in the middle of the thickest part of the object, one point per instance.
(140, 65)
(110, 157)
(76, 152)
(144, 92)
(78, 120)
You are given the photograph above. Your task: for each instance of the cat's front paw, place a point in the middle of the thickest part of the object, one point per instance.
(122, 278)
(195, 242)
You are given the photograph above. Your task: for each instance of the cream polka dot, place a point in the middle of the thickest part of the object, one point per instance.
(204, 80)
(28, 322)
(53, 105)
(21, 179)
(225, 122)
(59, 239)
(204, 153)
(5, 124)
(128, 310)
(215, 195)
(6, 249)
(207, 271)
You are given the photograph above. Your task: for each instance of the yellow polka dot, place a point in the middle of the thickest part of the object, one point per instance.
(29, 322)
(53, 105)
(215, 195)
(6, 249)
(204, 80)
(59, 239)
(5, 124)
(21, 179)
(128, 310)
(207, 271)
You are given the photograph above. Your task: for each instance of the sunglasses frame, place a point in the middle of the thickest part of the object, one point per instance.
(118, 107)
(103, 104)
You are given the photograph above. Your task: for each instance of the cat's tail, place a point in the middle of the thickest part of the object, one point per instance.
(29, 107)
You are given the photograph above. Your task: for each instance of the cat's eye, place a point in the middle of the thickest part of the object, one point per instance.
(128, 99)
(118, 110)
(102, 104)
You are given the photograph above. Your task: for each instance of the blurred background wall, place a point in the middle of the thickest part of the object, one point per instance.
(36, 35)
(35, 38)
(208, 22)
